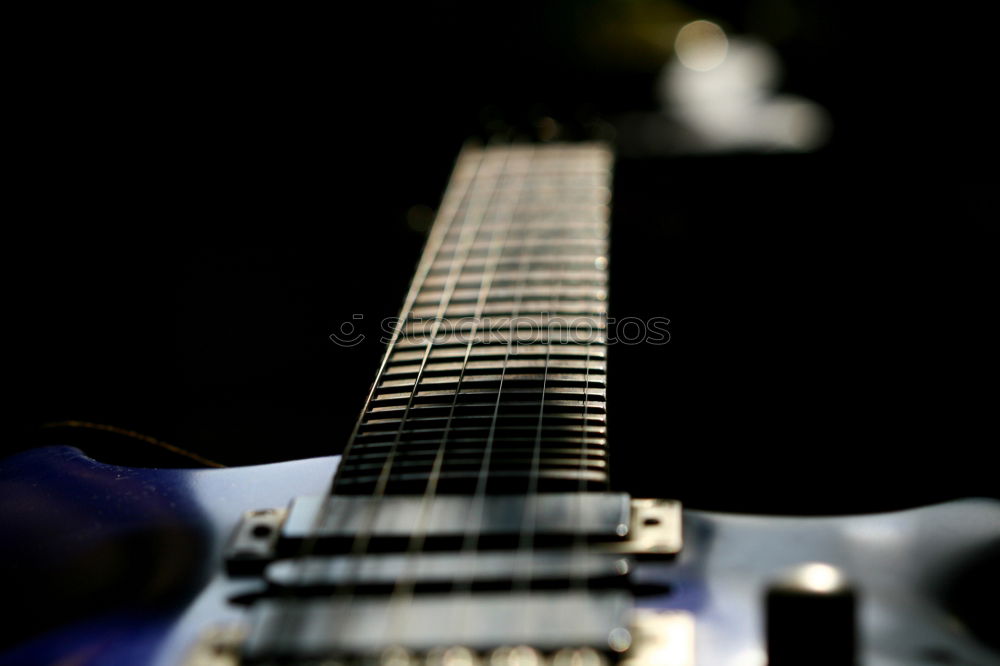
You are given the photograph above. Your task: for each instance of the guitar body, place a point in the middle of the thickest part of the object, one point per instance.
(129, 563)
(129, 559)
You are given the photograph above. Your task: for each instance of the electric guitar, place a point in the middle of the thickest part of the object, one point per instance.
(470, 520)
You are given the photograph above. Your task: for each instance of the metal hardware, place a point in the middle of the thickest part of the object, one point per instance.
(459, 655)
(578, 657)
(217, 646)
(521, 655)
(645, 528)
(314, 628)
(452, 656)
(255, 542)
(653, 637)
(490, 568)
(655, 530)
(660, 638)
(559, 517)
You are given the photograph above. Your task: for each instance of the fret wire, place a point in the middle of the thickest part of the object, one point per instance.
(579, 304)
(361, 543)
(448, 213)
(457, 387)
(526, 538)
(404, 588)
(436, 472)
(438, 268)
(473, 530)
(524, 351)
(581, 547)
(362, 539)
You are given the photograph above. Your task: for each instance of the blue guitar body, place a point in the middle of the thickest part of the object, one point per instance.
(127, 563)
(60, 509)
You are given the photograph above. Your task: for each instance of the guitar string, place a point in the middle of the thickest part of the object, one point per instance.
(383, 479)
(404, 590)
(462, 590)
(450, 208)
(362, 541)
(526, 537)
(525, 557)
(527, 531)
(474, 532)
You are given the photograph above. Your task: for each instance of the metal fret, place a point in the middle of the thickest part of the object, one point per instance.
(535, 292)
(496, 351)
(508, 307)
(486, 407)
(522, 334)
(418, 451)
(424, 396)
(526, 326)
(495, 366)
(532, 243)
(477, 381)
(591, 276)
(558, 262)
(493, 338)
(588, 441)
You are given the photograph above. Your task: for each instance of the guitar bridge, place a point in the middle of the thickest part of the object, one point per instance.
(653, 638)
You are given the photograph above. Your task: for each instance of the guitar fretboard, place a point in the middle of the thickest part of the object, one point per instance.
(495, 378)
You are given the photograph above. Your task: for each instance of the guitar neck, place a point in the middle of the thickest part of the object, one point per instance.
(474, 489)
(495, 377)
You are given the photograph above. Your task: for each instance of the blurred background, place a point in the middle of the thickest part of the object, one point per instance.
(801, 189)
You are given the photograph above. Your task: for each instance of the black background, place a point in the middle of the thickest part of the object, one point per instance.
(205, 196)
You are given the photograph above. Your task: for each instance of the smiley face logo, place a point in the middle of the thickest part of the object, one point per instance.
(347, 335)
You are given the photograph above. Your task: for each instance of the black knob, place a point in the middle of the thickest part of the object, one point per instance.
(811, 618)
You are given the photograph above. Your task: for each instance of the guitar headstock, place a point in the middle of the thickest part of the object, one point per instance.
(540, 124)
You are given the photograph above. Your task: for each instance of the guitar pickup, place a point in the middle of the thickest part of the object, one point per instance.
(449, 522)
(436, 571)
(337, 524)
(297, 630)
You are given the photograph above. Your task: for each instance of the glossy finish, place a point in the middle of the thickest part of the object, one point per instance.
(897, 561)
(61, 508)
